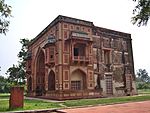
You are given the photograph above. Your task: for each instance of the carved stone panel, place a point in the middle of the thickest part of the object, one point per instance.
(124, 44)
(118, 72)
(117, 58)
(106, 42)
(117, 44)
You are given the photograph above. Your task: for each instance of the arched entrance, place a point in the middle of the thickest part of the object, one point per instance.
(40, 74)
(78, 80)
(29, 84)
(51, 81)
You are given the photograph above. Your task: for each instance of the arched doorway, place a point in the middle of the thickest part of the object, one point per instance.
(40, 74)
(78, 80)
(51, 81)
(29, 84)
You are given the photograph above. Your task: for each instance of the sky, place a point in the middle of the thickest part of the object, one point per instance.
(30, 17)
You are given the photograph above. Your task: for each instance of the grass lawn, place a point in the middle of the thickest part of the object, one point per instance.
(104, 101)
(28, 104)
(144, 91)
(4, 95)
(38, 104)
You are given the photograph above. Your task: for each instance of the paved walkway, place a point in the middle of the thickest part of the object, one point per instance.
(134, 107)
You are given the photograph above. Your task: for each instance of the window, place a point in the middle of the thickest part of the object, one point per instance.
(90, 76)
(109, 85)
(66, 85)
(76, 51)
(107, 57)
(77, 28)
(91, 85)
(65, 26)
(51, 56)
(76, 85)
(51, 53)
(71, 27)
(79, 49)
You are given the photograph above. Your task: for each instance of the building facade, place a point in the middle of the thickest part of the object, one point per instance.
(73, 58)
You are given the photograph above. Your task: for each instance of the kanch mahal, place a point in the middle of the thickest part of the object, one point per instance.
(72, 58)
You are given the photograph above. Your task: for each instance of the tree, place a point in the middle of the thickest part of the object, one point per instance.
(22, 54)
(141, 12)
(16, 75)
(142, 76)
(143, 80)
(4, 85)
(17, 72)
(5, 13)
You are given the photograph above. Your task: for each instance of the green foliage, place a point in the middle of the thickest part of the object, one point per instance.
(143, 80)
(22, 54)
(141, 12)
(17, 72)
(4, 85)
(16, 75)
(142, 76)
(5, 13)
(142, 85)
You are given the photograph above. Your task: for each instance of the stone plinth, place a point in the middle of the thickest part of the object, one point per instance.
(16, 97)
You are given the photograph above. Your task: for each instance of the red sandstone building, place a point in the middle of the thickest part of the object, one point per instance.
(73, 58)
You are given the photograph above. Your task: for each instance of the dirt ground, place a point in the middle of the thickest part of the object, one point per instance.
(133, 107)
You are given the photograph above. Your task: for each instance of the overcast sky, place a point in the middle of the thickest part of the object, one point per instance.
(30, 17)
